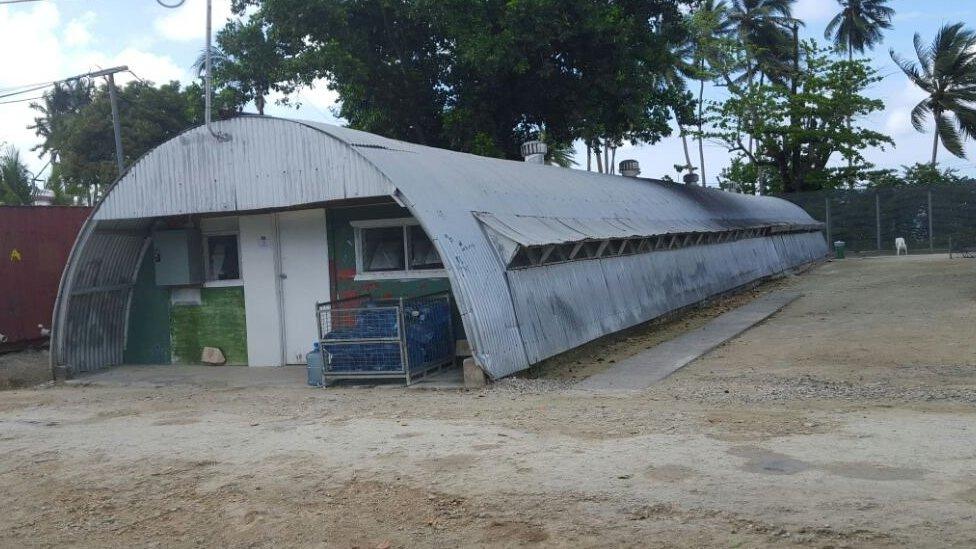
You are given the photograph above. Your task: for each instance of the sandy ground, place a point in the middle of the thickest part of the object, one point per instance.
(847, 420)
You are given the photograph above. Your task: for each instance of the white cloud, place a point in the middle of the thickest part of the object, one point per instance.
(188, 22)
(158, 68)
(78, 31)
(898, 108)
(315, 102)
(51, 50)
(32, 31)
(815, 10)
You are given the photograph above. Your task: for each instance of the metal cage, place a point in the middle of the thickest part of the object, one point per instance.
(399, 338)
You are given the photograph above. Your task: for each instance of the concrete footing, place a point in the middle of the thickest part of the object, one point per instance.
(474, 376)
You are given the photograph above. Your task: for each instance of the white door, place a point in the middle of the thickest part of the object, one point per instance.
(262, 304)
(304, 275)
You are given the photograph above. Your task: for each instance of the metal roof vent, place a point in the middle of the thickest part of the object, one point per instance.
(534, 152)
(629, 168)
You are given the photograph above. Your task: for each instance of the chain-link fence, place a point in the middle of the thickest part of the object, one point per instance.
(928, 218)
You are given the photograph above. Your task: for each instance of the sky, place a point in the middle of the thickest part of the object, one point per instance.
(52, 39)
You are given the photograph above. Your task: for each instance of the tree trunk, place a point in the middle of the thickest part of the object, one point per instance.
(599, 161)
(259, 103)
(701, 139)
(589, 157)
(935, 144)
(684, 144)
(850, 125)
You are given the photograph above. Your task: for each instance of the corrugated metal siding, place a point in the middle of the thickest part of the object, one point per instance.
(42, 237)
(596, 297)
(102, 277)
(269, 163)
(273, 163)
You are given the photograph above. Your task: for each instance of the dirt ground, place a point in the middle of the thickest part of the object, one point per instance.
(24, 369)
(846, 420)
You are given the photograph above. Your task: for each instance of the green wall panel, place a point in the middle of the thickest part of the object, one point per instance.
(342, 261)
(148, 336)
(217, 322)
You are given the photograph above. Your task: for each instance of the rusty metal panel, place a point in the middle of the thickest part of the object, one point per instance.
(34, 245)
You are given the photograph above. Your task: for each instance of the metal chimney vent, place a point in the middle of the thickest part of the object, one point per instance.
(629, 168)
(534, 152)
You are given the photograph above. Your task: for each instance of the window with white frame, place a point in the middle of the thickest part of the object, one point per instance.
(222, 258)
(395, 248)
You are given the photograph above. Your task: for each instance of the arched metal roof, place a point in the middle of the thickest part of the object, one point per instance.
(460, 199)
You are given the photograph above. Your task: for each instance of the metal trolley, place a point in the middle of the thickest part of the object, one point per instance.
(399, 338)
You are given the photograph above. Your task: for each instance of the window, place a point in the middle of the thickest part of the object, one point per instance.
(395, 248)
(422, 253)
(222, 257)
(383, 249)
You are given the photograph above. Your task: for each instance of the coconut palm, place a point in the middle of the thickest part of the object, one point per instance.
(708, 27)
(217, 59)
(762, 25)
(680, 68)
(946, 71)
(859, 25)
(16, 184)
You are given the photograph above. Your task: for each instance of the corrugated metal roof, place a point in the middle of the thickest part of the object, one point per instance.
(276, 163)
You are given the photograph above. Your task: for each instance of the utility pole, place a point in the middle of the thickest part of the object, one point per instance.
(109, 74)
(116, 124)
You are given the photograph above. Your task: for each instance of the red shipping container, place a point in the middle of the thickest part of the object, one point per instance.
(34, 245)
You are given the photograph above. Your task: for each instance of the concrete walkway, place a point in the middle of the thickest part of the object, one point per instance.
(651, 366)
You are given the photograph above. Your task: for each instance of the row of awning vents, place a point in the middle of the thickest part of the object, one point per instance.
(548, 254)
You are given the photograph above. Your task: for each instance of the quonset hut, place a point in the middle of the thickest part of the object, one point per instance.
(231, 244)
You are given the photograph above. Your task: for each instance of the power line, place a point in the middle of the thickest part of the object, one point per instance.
(27, 90)
(14, 88)
(137, 77)
(21, 100)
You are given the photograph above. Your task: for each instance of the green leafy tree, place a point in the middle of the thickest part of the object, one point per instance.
(800, 126)
(917, 175)
(946, 71)
(859, 25)
(80, 139)
(485, 76)
(247, 63)
(62, 194)
(59, 105)
(16, 183)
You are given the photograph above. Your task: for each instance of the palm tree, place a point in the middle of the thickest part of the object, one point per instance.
(946, 71)
(859, 24)
(680, 69)
(858, 27)
(16, 184)
(709, 25)
(762, 26)
(62, 101)
(217, 59)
